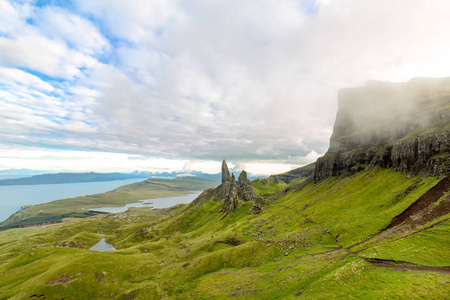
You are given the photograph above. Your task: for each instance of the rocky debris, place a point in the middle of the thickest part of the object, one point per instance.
(141, 233)
(72, 244)
(257, 207)
(231, 191)
(120, 216)
(101, 277)
(64, 280)
(403, 126)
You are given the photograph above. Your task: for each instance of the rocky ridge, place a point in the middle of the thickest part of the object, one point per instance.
(403, 126)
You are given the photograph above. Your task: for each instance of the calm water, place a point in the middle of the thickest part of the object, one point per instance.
(152, 203)
(12, 197)
(102, 246)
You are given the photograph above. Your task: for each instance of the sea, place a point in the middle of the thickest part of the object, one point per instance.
(13, 197)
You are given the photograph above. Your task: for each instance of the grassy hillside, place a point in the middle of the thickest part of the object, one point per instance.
(55, 211)
(331, 239)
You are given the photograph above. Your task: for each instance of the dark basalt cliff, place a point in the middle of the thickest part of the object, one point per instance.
(403, 126)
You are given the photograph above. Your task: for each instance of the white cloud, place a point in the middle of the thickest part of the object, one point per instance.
(10, 17)
(210, 167)
(72, 29)
(14, 77)
(46, 56)
(248, 81)
(266, 168)
(133, 21)
(83, 161)
(57, 43)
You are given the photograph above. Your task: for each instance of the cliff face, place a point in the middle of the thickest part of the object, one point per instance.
(403, 126)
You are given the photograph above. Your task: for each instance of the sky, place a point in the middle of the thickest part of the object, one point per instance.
(171, 85)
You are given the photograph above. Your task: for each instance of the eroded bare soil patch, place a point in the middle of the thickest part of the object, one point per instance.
(61, 280)
(404, 266)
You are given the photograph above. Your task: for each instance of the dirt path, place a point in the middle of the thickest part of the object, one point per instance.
(404, 266)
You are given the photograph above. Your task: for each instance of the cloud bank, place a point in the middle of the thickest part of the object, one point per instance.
(251, 81)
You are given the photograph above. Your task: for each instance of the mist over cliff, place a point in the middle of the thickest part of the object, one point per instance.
(404, 126)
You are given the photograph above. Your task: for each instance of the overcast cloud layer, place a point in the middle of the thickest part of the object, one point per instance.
(251, 81)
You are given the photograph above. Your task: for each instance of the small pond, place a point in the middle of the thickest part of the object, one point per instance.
(102, 246)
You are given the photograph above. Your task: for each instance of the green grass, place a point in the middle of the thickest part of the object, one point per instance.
(267, 187)
(356, 279)
(295, 247)
(427, 248)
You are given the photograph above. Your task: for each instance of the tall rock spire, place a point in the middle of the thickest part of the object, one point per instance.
(225, 172)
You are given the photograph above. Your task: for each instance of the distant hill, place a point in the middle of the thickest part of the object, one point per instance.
(19, 173)
(69, 178)
(14, 177)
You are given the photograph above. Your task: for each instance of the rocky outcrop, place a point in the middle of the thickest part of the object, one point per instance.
(245, 189)
(403, 126)
(232, 191)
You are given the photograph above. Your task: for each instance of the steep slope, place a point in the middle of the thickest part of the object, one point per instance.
(403, 126)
